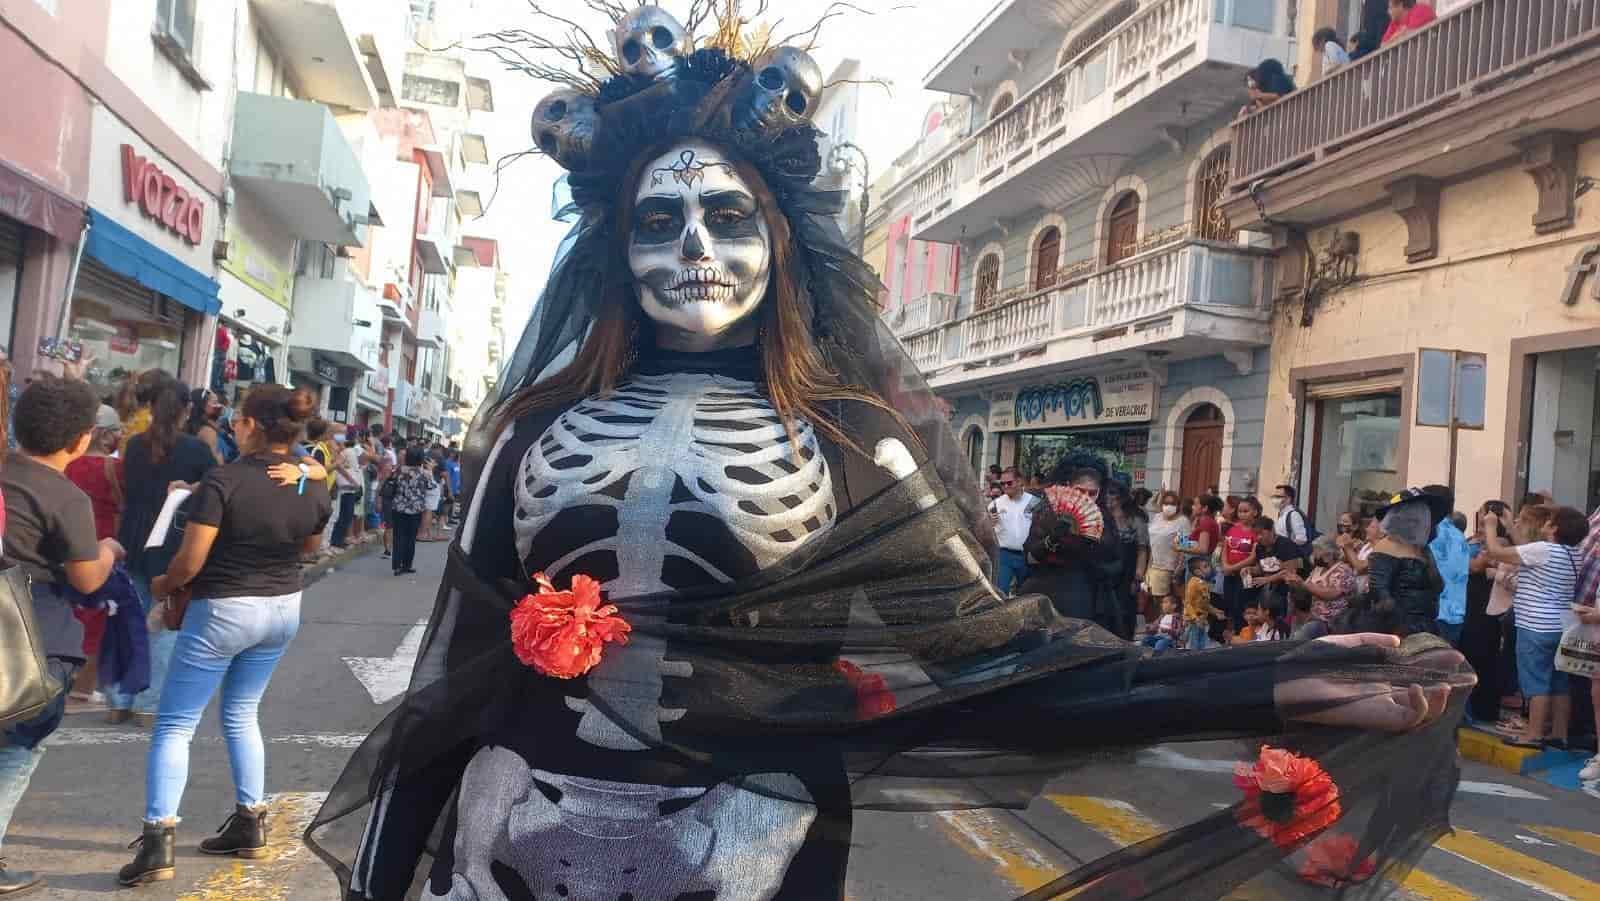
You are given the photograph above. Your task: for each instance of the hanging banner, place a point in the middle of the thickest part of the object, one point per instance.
(1078, 401)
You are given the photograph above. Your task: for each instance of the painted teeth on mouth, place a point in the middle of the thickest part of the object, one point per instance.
(698, 276)
(700, 291)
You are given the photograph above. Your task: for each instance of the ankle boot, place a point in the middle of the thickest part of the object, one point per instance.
(244, 834)
(153, 862)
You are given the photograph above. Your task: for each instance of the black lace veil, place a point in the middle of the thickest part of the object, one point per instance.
(879, 658)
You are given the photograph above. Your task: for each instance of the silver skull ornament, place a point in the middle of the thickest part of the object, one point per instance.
(783, 91)
(649, 41)
(564, 125)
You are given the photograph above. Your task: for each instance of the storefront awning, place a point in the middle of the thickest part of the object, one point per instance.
(133, 257)
(32, 202)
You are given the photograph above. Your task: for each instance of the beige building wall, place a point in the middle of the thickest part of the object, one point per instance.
(1494, 285)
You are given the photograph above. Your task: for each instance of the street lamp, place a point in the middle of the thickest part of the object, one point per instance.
(844, 164)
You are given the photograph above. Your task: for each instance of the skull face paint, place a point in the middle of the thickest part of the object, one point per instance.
(700, 250)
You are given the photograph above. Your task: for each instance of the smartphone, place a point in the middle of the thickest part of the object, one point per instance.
(67, 351)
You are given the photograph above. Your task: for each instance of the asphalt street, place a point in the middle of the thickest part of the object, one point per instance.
(1516, 838)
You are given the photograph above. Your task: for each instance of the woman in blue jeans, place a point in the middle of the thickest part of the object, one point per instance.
(240, 562)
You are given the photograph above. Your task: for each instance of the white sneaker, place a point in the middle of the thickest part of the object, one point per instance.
(1591, 770)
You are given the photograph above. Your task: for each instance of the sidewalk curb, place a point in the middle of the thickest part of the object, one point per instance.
(1559, 768)
(314, 573)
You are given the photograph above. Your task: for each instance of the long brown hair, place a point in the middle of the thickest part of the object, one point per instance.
(798, 381)
(167, 401)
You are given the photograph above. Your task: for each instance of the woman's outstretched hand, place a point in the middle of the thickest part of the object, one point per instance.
(1375, 705)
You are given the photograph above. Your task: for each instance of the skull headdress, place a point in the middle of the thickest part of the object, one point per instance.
(663, 87)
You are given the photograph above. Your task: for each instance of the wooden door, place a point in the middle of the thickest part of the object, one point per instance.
(1202, 451)
(1122, 229)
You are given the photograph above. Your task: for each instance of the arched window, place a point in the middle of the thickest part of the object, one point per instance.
(1046, 257)
(988, 284)
(975, 448)
(1122, 228)
(1211, 223)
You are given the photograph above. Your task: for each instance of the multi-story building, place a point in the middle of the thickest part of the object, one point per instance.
(1438, 280)
(480, 292)
(1103, 301)
(189, 173)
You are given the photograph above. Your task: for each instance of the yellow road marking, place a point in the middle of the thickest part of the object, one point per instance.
(981, 834)
(1588, 841)
(1518, 867)
(266, 879)
(1423, 887)
(1118, 821)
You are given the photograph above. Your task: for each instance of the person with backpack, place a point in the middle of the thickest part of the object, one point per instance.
(50, 534)
(1290, 522)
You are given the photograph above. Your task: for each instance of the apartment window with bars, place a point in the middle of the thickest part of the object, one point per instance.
(988, 283)
(1101, 27)
(434, 91)
(1211, 223)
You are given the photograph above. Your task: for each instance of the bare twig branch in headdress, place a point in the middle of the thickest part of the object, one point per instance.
(610, 8)
(499, 166)
(880, 82)
(833, 11)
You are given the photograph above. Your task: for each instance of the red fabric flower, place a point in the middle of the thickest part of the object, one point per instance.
(1331, 861)
(1288, 798)
(873, 697)
(561, 633)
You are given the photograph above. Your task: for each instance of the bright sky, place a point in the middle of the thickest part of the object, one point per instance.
(899, 44)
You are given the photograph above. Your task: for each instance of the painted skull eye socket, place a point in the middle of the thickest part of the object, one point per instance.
(547, 143)
(661, 37)
(771, 78)
(796, 102)
(631, 51)
(556, 112)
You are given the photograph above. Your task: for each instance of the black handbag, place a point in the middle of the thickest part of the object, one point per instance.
(26, 686)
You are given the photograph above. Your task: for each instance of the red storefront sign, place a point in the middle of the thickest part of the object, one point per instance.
(160, 197)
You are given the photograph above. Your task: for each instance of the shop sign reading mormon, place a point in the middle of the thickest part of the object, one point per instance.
(161, 198)
(1084, 400)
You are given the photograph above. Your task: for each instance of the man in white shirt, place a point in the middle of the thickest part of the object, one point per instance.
(1291, 523)
(1012, 515)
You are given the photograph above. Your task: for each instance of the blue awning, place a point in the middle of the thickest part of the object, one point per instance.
(129, 255)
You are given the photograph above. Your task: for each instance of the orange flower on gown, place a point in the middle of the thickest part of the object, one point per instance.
(562, 633)
(1288, 798)
(1330, 861)
(873, 695)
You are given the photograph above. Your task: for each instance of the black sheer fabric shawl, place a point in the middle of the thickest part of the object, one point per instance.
(993, 698)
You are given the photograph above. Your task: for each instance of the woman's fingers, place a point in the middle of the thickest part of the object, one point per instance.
(1363, 639)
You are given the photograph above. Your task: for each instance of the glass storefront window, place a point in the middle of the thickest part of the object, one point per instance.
(121, 346)
(1123, 450)
(1356, 455)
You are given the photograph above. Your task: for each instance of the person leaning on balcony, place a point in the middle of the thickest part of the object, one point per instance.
(1267, 83)
(1406, 16)
(1326, 42)
(1374, 22)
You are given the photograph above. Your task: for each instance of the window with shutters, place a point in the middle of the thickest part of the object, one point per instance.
(1046, 258)
(1211, 223)
(1122, 228)
(987, 290)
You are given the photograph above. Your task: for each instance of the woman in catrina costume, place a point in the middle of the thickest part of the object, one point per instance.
(723, 581)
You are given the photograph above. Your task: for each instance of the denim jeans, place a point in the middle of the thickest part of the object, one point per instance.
(235, 643)
(1010, 570)
(22, 746)
(1158, 642)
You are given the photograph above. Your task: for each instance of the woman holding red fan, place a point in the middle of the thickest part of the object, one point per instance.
(1079, 560)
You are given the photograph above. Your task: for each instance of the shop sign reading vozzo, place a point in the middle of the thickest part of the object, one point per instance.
(1084, 400)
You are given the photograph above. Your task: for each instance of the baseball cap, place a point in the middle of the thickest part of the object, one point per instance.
(107, 418)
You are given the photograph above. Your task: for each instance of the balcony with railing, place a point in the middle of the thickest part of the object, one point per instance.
(1468, 91)
(1169, 65)
(1183, 299)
